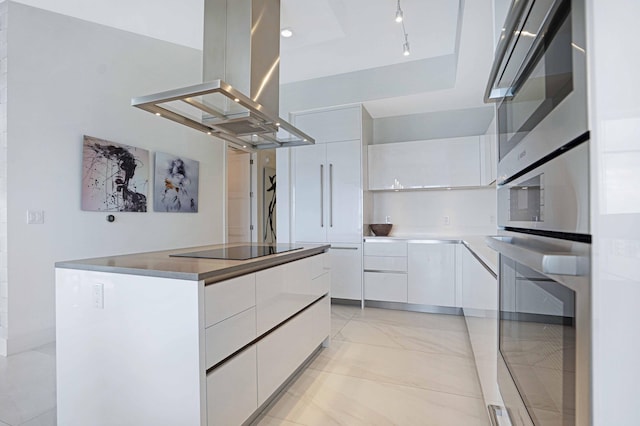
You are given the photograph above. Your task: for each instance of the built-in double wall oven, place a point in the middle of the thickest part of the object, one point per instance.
(538, 82)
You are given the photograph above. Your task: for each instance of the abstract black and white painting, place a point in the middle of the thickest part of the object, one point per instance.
(115, 177)
(175, 188)
(269, 204)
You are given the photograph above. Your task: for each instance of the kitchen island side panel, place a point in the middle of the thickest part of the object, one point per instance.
(129, 349)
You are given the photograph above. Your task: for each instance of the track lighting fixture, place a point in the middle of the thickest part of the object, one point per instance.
(406, 51)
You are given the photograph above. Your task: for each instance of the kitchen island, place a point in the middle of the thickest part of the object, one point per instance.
(151, 338)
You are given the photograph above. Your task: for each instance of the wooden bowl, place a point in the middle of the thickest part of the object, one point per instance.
(381, 229)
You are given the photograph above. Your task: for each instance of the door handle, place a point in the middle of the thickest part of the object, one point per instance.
(331, 195)
(322, 195)
(552, 263)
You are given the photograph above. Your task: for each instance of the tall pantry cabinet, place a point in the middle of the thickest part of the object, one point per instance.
(328, 197)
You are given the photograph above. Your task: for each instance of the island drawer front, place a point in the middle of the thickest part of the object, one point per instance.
(300, 336)
(283, 291)
(321, 285)
(227, 298)
(226, 337)
(232, 390)
(386, 287)
(385, 263)
(320, 265)
(385, 248)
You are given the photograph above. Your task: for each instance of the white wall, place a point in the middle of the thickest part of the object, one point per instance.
(67, 78)
(470, 211)
(613, 61)
(4, 282)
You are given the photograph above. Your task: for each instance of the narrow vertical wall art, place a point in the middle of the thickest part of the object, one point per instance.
(175, 187)
(269, 204)
(115, 177)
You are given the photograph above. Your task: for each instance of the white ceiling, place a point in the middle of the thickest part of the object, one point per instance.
(338, 36)
(332, 37)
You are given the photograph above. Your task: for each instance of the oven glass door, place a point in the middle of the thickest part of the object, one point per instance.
(543, 83)
(538, 341)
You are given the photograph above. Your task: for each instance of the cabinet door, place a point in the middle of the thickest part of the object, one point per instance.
(432, 278)
(346, 271)
(344, 192)
(453, 162)
(310, 192)
(340, 124)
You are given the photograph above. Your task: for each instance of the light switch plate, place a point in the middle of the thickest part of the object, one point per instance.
(35, 217)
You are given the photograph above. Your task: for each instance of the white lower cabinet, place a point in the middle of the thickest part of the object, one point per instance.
(232, 390)
(278, 358)
(385, 271)
(480, 307)
(346, 271)
(432, 274)
(385, 287)
(286, 324)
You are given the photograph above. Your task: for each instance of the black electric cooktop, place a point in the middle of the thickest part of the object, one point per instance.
(242, 252)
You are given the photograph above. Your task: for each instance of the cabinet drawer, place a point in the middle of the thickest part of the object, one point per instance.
(385, 263)
(385, 248)
(282, 352)
(320, 265)
(226, 337)
(227, 298)
(385, 287)
(232, 390)
(281, 292)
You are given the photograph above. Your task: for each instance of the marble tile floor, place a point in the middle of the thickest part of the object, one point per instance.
(383, 367)
(386, 367)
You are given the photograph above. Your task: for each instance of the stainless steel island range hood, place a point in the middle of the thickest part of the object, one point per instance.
(239, 100)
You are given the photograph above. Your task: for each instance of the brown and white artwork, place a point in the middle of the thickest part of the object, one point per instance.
(115, 177)
(175, 187)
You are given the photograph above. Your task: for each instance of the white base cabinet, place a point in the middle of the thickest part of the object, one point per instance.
(385, 286)
(385, 271)
(432, 274)
(480, 307)
(237, 377)
(167, 351)
(346, 271)
(278, 359)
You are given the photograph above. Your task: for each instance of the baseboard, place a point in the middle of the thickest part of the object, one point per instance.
(28, 341)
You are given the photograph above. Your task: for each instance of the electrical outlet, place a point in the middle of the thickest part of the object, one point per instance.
(446, 220)
(98, 296)
(35, 217)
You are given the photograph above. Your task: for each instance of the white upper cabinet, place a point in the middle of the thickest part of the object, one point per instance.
(437, 163)
(335, 125)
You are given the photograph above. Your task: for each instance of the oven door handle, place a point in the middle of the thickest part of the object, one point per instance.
(546, 263)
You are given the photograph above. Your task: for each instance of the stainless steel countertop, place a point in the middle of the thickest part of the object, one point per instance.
(475, 243)
(160, 264)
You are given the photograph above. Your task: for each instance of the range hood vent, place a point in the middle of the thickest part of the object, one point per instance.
(241, 54)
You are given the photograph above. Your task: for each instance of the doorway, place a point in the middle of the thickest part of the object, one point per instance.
(240, 210)
(251, 196)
